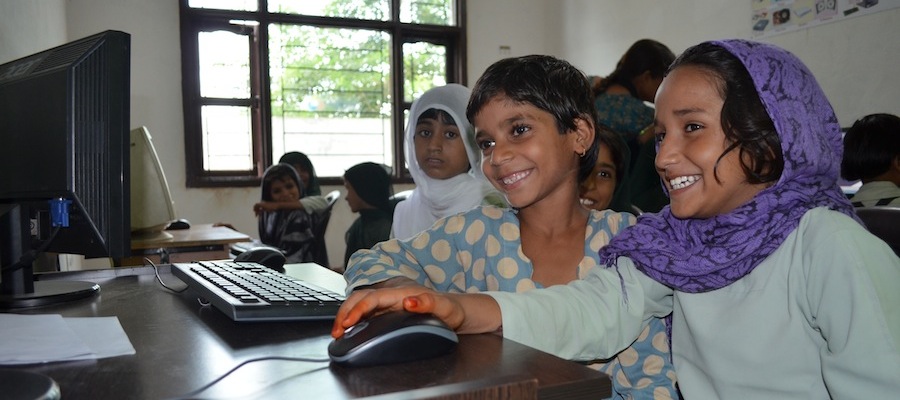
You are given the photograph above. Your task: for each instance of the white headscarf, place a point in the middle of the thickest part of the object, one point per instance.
(433, 199)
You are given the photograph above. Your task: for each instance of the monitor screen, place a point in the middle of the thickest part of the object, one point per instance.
(65, 161)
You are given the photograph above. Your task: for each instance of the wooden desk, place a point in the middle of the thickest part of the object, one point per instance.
(182, 346)
(198, 243)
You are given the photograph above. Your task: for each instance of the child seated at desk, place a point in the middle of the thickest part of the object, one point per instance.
(368, 193)
(289, 229)
(312, 200)
(443, 162)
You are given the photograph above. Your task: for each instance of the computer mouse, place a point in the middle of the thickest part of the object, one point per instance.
(267, 256)
(178, 224)
(393, 337)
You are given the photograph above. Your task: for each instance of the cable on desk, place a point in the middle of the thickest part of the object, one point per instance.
(199, 390)
(159, 279)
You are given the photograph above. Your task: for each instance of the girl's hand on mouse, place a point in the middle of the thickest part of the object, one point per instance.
(464, 313)
(363, 303)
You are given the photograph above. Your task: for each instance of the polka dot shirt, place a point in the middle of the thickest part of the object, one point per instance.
(481, 250)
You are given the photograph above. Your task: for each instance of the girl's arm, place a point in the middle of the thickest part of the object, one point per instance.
(586, 319)
(592, 318)
(312, 204)
(269, 206)
(852, 299)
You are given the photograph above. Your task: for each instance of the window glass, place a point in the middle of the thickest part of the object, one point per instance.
(424, 67)
(227, 138)
(237, 5)
(224, 65)
(331, 95)
(377, 10)
(431, 12)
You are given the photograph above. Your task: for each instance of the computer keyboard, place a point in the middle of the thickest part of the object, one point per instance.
(247, 291)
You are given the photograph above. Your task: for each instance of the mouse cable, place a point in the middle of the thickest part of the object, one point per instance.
(159, 279)
(199, 390)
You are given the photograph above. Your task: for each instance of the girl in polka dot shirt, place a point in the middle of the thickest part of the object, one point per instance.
(535, 125)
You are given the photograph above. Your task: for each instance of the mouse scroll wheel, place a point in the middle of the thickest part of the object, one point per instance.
(349, 332)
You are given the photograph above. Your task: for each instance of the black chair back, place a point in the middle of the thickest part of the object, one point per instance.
(399, 196)
(884, 222)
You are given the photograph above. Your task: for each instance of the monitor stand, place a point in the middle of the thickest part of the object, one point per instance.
(18, 286)
(15, 384)
(49, 292)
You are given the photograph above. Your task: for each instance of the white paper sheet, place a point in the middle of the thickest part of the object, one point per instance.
(30, 339)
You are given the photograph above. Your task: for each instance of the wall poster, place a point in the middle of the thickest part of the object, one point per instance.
(771, 17)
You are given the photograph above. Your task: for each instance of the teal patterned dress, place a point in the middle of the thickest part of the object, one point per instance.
(628, 116)
(481, 250)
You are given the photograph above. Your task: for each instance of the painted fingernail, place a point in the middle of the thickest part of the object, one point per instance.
(412, 302)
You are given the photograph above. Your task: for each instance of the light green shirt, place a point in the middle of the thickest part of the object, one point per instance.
(314, 204)
(870, 193)
(818, 319)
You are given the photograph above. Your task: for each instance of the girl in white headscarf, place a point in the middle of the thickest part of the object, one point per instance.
(443, 162)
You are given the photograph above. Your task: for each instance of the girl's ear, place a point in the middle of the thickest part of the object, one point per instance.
(584, 136)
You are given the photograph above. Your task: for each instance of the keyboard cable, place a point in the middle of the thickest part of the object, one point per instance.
(159, 279)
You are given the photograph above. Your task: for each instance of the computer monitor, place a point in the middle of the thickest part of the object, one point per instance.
(152, 208)
(65, 163)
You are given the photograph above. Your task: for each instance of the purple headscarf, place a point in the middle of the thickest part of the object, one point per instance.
(700, 255)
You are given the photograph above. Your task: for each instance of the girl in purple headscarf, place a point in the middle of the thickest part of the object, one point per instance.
(774, 288)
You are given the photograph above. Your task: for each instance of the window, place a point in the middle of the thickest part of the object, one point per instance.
(333, 79)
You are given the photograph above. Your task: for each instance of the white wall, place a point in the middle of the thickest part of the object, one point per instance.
(855, 60)
(523, 26)
(27, 27)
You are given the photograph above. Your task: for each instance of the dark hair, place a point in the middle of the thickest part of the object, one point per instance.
(279, 172)
(372, 184)
(295, 158)
(616, 144)
(643, 55)
(437, 115)
(747, 125)
(870, 146)
(545, 82)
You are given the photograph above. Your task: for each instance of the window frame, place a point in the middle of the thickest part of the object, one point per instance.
(195, 20)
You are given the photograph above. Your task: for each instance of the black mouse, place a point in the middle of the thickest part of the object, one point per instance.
(267, 256)
(393, 337)
(178, 224)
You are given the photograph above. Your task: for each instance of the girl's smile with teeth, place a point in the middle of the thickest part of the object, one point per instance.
(511, 179)
(682, 182)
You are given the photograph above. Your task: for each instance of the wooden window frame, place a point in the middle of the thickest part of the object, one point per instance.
(194, 20)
